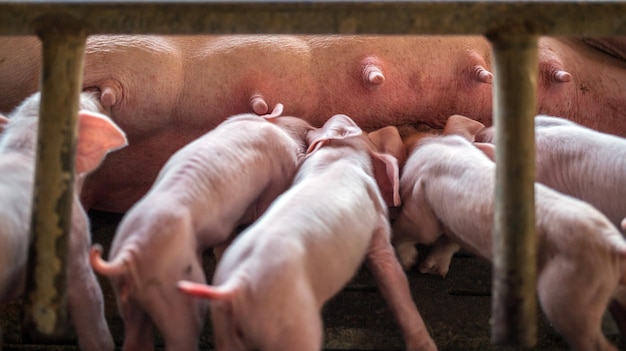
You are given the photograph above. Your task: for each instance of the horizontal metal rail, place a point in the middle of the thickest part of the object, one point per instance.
(587, 18)
(512, 27)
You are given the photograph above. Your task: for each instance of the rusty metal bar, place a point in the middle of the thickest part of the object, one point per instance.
(61, 81)
(569, 17)
(514, 305)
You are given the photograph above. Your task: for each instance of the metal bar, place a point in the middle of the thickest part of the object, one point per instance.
(514, 305)
(63, 51)
(569, 17)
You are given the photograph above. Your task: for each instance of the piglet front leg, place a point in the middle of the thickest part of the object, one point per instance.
(391, 279)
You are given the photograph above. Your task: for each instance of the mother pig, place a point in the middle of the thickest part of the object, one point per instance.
(182, 86)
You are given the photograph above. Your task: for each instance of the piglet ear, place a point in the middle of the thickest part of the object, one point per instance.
(3, 122)
(276, 112)
(463, 126)
(97, 135)
(222, 292)
(387, 175)
(337, 127)
(388, 141)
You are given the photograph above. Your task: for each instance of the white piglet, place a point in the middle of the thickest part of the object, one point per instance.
(273, 280)
(97, 135)
(447, 185)
(580, 162)
(223, 179)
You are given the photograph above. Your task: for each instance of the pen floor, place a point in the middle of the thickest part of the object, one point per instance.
(456, 311)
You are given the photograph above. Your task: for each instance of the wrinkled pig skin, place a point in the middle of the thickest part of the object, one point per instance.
(165, 91)
(268, 289)
(225, 178)
(452, 192)
(583, 163)
(580, 162)
(570, 158)
(594, 78)
(97, 135)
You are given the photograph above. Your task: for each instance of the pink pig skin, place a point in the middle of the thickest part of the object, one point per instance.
(227, 177)
(378, 80)
(447, 185)
(269, 288)
(586, 164)
(580, 162)
(97, 135)
(570, 158)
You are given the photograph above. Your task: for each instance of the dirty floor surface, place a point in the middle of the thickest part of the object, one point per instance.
(456, 311)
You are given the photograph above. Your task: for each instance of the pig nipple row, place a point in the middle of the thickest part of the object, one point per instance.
(258, 104)
(372, 73)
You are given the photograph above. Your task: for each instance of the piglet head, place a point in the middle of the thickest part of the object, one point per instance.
(473, 131)
(242, 323)
(486, 135)
(296, 127)
(338, 127)
(229, 333)
(341, 128)
(463, 126)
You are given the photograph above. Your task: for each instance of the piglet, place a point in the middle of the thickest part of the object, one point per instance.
(580, 162)
(273, 280)
(97, 135)
(225, 178)
(447, 185)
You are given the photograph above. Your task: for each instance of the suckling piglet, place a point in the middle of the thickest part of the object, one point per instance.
(447, 186)
(273, 280)
(580, 162)
(225, 178)
(97, 135)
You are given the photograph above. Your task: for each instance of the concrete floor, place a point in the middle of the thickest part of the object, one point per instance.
(456, 311)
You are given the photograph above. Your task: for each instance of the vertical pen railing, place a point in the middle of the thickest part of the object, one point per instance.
(61, 82)
(514, 306)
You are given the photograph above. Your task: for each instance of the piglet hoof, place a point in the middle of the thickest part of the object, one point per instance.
(407, 255)
(433, 266)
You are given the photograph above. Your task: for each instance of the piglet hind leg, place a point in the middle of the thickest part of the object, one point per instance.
(573, 305)
(439, 258)
(394, 286)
